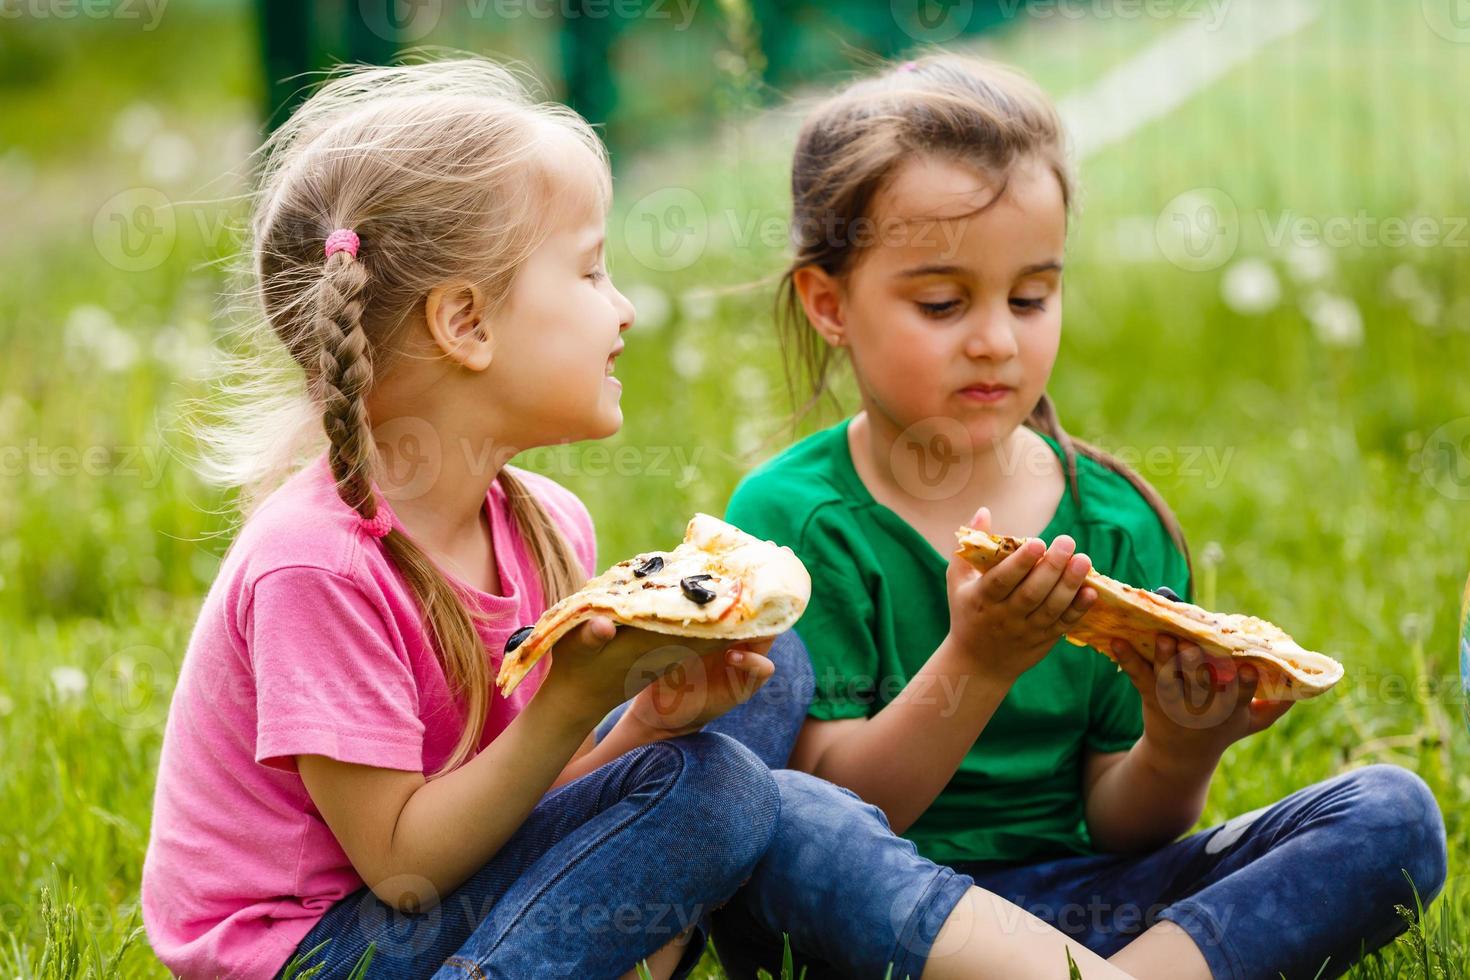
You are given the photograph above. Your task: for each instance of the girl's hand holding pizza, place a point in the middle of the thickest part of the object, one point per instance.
(1010, 616)
(701, 688)
(1195, 705)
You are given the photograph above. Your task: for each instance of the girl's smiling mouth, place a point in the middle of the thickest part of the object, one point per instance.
(610, 359)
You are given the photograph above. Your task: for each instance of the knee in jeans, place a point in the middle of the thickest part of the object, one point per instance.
(1401, 820)
(737, 795)
(814, 810)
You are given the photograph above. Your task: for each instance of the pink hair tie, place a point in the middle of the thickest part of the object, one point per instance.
(906, 66)
(380, 523)
(342, 240)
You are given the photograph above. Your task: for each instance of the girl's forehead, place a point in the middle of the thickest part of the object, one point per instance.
(577, 186)
(935, 188)
(934, 208)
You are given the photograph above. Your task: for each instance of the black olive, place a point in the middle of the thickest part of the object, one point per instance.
(649, 567)
(696, 592)
(517, 638)
(1167, 593)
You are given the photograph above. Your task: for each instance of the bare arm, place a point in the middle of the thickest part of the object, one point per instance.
(901, 758)
(1135, 801)
(1194, 707)
(414, 840)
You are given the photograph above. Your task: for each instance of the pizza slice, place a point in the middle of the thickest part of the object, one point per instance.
(720, 583)
(1287, 672)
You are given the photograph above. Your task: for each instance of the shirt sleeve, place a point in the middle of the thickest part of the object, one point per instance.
(837, 627)
(1116, 717)
(331, 677)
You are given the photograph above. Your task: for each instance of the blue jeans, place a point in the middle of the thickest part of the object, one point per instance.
(835, 878)
(606, 869)
(1311, 880)
(1303, 887)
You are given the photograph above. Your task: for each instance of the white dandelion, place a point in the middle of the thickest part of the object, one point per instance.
(91, 334)
(135, 125)
(68, 682)
(1250, 287)
(1335, 319)
(750, 384)
(169, 157)
(687, 359)
(1403, 282)
(1309, 263)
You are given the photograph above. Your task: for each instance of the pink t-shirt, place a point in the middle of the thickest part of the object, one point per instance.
(308, 642)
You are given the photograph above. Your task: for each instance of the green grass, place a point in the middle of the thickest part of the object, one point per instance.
(1333, 507)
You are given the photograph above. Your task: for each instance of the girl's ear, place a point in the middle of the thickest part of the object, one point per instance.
(456, 318)
(822, 298)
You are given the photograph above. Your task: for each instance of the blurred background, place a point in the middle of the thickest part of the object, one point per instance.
(1267, 314)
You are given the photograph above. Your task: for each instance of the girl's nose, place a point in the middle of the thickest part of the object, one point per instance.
(624, 306)
(990, 336)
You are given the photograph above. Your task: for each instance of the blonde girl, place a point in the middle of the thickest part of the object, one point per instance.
(337, 770)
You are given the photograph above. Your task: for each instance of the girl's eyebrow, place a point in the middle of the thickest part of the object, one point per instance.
(1051, 265)
(595, 245)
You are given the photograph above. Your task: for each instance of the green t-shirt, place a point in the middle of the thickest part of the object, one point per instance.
(879, 609)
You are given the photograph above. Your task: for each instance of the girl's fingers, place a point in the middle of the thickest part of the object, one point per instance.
(1032, 593)
(1263, 714)
(590, 637)
(1086, 596)
(1165, 651)
(981, 520)
(758, 646)
(1066, 592)
(1135, 667)
(753, 664)
(998, 583)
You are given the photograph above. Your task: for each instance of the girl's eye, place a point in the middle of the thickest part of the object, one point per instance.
(1028, 305)
(597, 275)
(937, 310)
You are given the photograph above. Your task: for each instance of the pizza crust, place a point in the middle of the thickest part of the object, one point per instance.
(755, 589)
(1287, 671)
